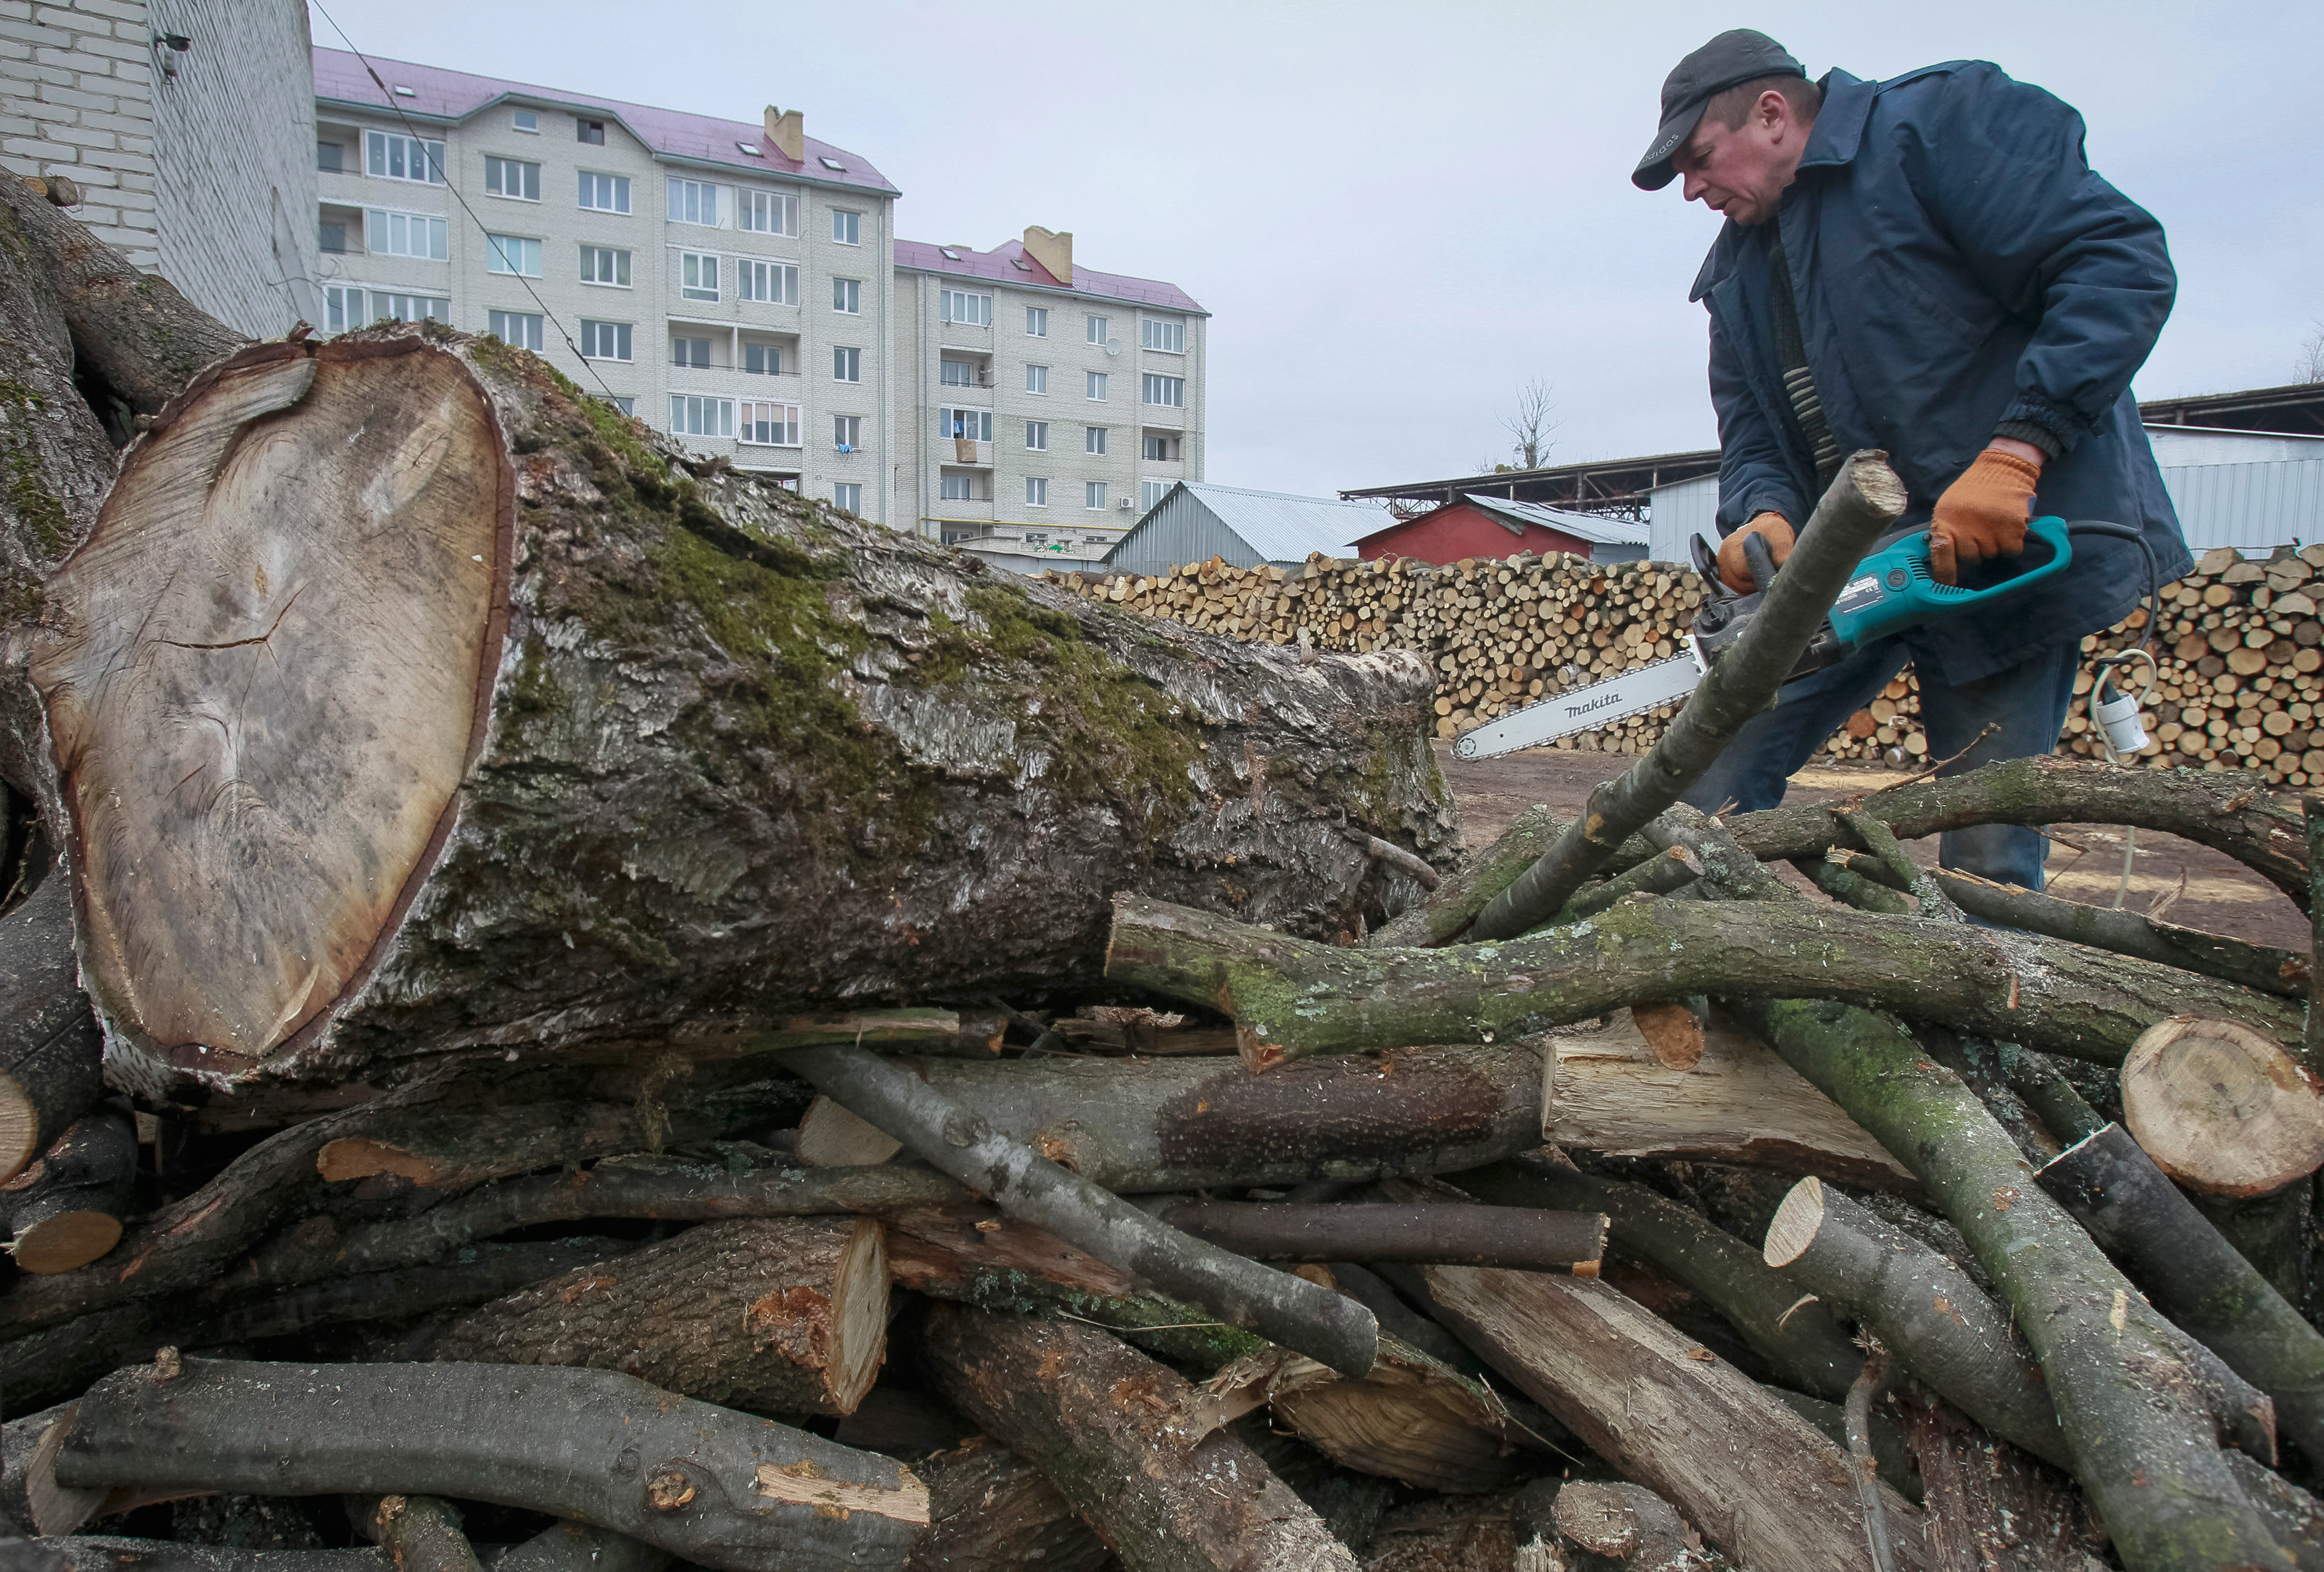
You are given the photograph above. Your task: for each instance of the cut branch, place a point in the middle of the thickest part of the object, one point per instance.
(954, 1138)
(1865, 499)
(712, 1486)
(1456, 901)
(1525, 1237)
(50, 1072)
(65, 1211)
(1290, 997)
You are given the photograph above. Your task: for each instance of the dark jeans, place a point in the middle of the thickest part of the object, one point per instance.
(2029, 701)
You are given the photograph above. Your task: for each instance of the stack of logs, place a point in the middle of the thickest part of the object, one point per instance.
(565, 1008)
(2240, 648)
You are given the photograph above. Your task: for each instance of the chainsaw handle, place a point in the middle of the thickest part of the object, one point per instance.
(1759, 560)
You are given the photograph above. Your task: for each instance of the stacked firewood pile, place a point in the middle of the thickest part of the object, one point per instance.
(2240, 670)
(565, 1008)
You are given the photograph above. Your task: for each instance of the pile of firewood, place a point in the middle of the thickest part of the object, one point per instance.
(565, 1008)
(2240, 670)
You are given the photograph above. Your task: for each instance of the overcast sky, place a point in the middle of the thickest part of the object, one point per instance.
(1396, 214)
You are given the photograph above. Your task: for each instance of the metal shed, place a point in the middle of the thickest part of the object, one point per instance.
(1197, 520)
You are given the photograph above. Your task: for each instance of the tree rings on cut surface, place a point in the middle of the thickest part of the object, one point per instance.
(2221, 1107)
(266, 672)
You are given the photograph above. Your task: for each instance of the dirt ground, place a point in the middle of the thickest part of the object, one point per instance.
(2219, 893)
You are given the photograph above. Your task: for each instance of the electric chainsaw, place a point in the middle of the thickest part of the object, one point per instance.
(1891, 591)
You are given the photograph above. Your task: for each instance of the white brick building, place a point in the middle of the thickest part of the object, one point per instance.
(187, 127)
(727, 282)
(1045, 407)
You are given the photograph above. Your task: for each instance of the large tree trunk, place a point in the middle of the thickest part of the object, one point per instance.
(471, 712)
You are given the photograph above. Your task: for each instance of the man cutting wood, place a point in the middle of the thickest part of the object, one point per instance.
(1928, 266)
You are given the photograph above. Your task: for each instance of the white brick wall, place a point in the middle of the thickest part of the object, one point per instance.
(199, 165)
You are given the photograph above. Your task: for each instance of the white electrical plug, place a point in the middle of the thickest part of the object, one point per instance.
(2116, 713)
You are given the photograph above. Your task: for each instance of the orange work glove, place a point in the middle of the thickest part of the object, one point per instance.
(1982, 515)
(1732, 567)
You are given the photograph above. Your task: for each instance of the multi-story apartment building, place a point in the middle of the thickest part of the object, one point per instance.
(1043, 407)
(728, 283)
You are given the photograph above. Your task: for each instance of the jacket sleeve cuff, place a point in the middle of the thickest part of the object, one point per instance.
(2054, 428)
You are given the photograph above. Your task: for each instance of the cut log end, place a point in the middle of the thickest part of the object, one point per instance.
(2221, 1107)
(829, 1136)
(1878, 483)
(859, 1331)
(1796, 1222)
(20, 1128)
(355, 1158)
(66, 1240)
(1672, 1033)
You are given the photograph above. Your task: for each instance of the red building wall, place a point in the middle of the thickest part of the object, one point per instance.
(1460, 529)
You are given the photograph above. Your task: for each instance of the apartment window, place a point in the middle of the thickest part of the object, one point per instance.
(1098, 329)
(847, 432)
(627, 406)
(1092, 439)
(773, 283)
(847, 295)
(1036, 491)
(1151, 492)
(963, 373)
(847, 496)
(693, 202)
(1165, 392)
(330, 158)
(1167, 334)
(1094, 495)
(1037, 321)
(976, 425)
(518, 329)
(603, 264)
(1037, 379)
(847, 227)
(1037, 436)
(527, 120)
(513, 254)
(957, 487)
(693, 352)
(348, 306)
(692, 415)
(331, 239)
(767, 425)
(1094, 384)
(512, 177)
(1161, 447)
(403, 158)
(764, 360)
(591, 132)
(394, 234)
(605, 193)
(966, 306)
(604, 340)
(767, 212)
(698, 275)
(847, 365)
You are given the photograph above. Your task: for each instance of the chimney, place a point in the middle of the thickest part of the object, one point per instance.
(1052, 251)
(787, 131)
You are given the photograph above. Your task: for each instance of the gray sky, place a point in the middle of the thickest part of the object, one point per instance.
(1396, 214)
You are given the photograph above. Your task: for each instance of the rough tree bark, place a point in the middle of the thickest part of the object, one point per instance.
(1991, 1509)
(459, 631)
(1291, 997)
(990, 1510)
(1454, 902)
(1526, 1237)
(49, 1070)
(712, 1486)
(1088, 1410)
(783, 1316)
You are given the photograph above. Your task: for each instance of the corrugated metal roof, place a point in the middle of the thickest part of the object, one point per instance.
(443, 95)
(999, 266)
(1282, 528)
(1580, 526)
(2253, 507)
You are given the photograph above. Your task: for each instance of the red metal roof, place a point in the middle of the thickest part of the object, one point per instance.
(999, 266)
(443, 95)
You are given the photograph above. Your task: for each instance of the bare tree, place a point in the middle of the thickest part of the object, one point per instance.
(2309, 365)
(1535, 420)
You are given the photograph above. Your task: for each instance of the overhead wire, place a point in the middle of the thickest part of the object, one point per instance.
(444, 175)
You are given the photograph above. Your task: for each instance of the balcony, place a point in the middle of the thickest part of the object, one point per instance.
(968, 450)
(957, 369)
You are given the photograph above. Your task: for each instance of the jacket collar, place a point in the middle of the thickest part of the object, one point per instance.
(1838, 131)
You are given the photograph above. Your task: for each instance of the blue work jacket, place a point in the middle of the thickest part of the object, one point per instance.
(1956, 265)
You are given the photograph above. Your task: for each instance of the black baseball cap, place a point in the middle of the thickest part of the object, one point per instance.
(1740, 55)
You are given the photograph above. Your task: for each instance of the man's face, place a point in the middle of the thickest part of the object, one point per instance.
(1741, 172)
